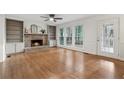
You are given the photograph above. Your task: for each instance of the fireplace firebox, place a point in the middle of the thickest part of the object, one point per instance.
(35, 43)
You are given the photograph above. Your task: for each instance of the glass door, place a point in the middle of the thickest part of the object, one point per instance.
(108, 37)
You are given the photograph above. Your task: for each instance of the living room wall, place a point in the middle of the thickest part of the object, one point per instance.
(90, 28)
(28, 23)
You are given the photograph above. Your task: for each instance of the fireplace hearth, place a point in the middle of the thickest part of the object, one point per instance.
(35, 43)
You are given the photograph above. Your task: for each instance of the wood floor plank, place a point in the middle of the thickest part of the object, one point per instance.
(59, 63)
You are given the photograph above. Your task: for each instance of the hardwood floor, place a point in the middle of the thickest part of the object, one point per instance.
(58, 63)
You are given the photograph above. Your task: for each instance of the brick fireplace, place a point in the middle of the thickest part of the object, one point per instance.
(34, 40)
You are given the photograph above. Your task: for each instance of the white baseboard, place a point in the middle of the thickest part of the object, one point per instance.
(122, 59)
(118, 58)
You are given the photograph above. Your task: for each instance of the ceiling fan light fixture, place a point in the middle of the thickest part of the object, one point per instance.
(51, 19)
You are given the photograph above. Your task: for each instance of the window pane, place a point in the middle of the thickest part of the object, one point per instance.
(78, 35)
(61, 38)
(69, 36)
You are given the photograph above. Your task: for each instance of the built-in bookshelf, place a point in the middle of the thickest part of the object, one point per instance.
(51, 32)
(14, 30)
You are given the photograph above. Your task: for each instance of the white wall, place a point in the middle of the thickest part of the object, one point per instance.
(2, 38)
(28, 23)
(121, 37)
(90, 26)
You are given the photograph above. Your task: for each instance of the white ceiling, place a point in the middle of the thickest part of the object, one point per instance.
(36, 17)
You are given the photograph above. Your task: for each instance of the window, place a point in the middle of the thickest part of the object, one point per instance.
(61, 38)
(78, 35)
(69, 36)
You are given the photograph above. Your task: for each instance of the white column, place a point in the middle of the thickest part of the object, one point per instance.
(2, 38)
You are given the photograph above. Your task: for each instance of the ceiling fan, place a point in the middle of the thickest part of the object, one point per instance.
(51, 18)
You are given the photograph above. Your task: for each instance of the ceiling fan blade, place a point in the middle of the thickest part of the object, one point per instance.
(54, 20)
(58, 18)
(44, 17)
(46, 20)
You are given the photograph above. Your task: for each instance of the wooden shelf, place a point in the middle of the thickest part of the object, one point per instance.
(52, 32)
(33, 34)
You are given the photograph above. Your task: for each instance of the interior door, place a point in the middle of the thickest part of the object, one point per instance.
(108, 37)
